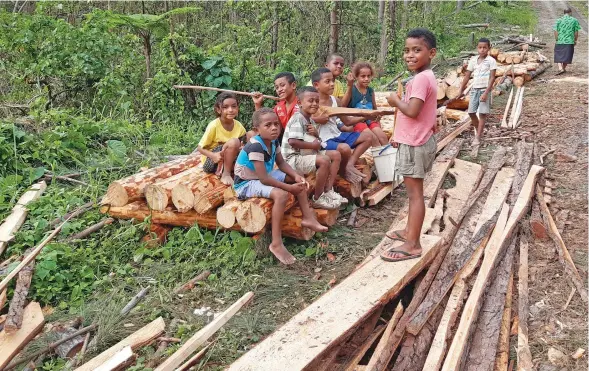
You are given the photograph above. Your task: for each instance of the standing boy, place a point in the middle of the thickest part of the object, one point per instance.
(300, 149)
(483, 68)
(255, 176)
(414, 138)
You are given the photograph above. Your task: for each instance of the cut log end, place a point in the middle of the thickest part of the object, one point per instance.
(182, 198)
(229, 195)
(116, 195)
(251, 217)
(226, 214)
(156, 197)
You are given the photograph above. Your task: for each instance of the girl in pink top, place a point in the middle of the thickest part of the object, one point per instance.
(414, 140)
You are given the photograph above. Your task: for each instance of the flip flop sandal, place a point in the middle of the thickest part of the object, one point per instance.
(407, 256)
(395, 236)
(560, 72)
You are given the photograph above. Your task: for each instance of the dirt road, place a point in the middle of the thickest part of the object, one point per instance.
(555, 112)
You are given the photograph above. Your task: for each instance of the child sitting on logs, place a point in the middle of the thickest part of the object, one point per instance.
(414, 138)
(361, 95)
(331, 135)
(285, 86)
(255, 176)
(221, 140)
(304, 152)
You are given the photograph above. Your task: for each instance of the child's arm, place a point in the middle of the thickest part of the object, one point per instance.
(214, 156)
(301, 144)
(288, 170)
(266, 179)
(258, 99)
(464, 83)
(409, 109)
(490, 87)
(350, 79)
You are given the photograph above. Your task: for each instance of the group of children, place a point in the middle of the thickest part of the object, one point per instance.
(295, 139)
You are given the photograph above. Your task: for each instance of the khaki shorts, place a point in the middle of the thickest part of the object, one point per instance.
(303, 164)
(415, 162)
(475, 103)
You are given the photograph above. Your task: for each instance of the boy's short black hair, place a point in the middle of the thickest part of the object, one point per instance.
(316, 75)
(257, 116)
(424, 34)
(332, 56)
(305, 89)
(288, 75)
(485, 40)
(568, 10)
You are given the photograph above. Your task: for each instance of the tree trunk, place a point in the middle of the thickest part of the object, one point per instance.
(393, 19)
(255, 213)
(459, 5)
(159, 194)
(405, 14)
(334, 26)
(274, 47)
(132, 188)
(382, 55)
(146, 35)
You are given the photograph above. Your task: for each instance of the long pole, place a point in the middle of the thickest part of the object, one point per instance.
(197, 87)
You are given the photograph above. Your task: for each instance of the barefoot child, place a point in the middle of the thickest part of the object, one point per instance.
(255, 176)
(220, 142)
(300, 149)
(414, 138)
(483, 66)
(331, 135)
(361, 95)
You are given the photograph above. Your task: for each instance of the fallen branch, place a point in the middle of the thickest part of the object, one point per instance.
(65, 179)
(352, 219)
(17, 304)
(190, 284)
(52, 346)
(475, 25)
(79, 211)
(134, 301)
(542, 156)
(197, 87)
(93, 228)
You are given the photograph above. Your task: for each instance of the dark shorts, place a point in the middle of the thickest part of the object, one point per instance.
(361, 126)
(209, 166)
(563, 53)
(347, 138)
(415, 162)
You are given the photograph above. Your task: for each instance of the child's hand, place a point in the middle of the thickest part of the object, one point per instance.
(317, 144)
(217, 157)
(323, 119)
(297, 188)
(350, 79)
(483, 97)
(393, 143)
(299, 179)
(393, 100)
(258, 98)
(312, 130)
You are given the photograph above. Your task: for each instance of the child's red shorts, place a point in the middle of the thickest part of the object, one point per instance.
(361, 126)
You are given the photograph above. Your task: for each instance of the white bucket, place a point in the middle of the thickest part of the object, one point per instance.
(384, 161)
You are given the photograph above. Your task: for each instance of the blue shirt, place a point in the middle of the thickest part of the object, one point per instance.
(254, 150)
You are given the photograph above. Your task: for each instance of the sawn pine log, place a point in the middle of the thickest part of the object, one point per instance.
(159, 194)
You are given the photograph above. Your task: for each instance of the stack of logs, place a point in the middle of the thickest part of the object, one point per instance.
(513, 68)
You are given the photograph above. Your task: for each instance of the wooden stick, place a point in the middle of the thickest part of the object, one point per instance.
(524, 356)
(197, 357)
(400, 95)
(66, 179)
(52, 346)
(136, 299)
(91, 229)
(382, 352)
(514, 108)
(563, 252)
(190, 284)
(504, 119)
(2, 298)
(203, 335)
(79, 211)
(518, 111)
(80, 355)
(197, 87)
(29, 258)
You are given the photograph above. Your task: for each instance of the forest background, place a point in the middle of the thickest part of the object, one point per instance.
(86, 87)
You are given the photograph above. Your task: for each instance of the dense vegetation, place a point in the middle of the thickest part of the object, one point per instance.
(87, 88)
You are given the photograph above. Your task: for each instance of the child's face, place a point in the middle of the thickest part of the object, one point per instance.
(336, 66)
(326, 84)
(283, 88)
(417, 54)
(269, 126)
(483, 49)
(309, 103)
(364, 77)
(228, 109)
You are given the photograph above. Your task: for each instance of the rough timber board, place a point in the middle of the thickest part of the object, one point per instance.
(11, 344)
(330, 318)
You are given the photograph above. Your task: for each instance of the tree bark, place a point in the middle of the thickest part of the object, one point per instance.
(393, 19)
(157, 235)
(17, 305)
(274, 46)
(384, 41)
(71, 347)
(334, 26)
(132, 188)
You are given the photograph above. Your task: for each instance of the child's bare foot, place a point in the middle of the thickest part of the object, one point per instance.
(226, 179)
(282, 254)
(408, 250)
(313, 225)
(353, 175)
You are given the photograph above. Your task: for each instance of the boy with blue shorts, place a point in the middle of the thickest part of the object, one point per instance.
(255, 176)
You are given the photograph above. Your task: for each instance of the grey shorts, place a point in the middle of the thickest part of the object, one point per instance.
(476, 104)
(303, 164)
(415, 162)
(255, 188)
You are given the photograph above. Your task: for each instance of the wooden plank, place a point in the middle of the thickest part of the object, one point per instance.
(466, 241)
(382, 354)
(464, 125)
(563, 253)
(333, 317)
(485, 339)
(11, 344)
(353, 363)
(502, 359)
(19, 213)
(203, 335)
(466, 175)
(504, 119)
(119, 360)
(194, 359)
(494, 250)
(136, 340)
(345, 111)
(524, 356)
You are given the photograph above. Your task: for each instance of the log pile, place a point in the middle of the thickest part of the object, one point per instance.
(180, 193)
(460, 312)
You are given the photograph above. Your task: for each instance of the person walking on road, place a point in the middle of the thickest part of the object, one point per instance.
(566, 32)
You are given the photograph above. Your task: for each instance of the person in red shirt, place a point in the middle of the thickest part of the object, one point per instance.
(285, 86)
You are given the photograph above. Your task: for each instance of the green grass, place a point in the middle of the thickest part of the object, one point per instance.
(581, 6)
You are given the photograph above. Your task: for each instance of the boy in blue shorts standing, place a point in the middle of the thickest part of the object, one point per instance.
(255, 176)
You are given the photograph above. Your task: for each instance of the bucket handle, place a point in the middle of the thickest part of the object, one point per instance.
(384, 149)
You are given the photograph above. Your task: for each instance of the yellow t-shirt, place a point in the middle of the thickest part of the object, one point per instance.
(338, 90)
(215, 135)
